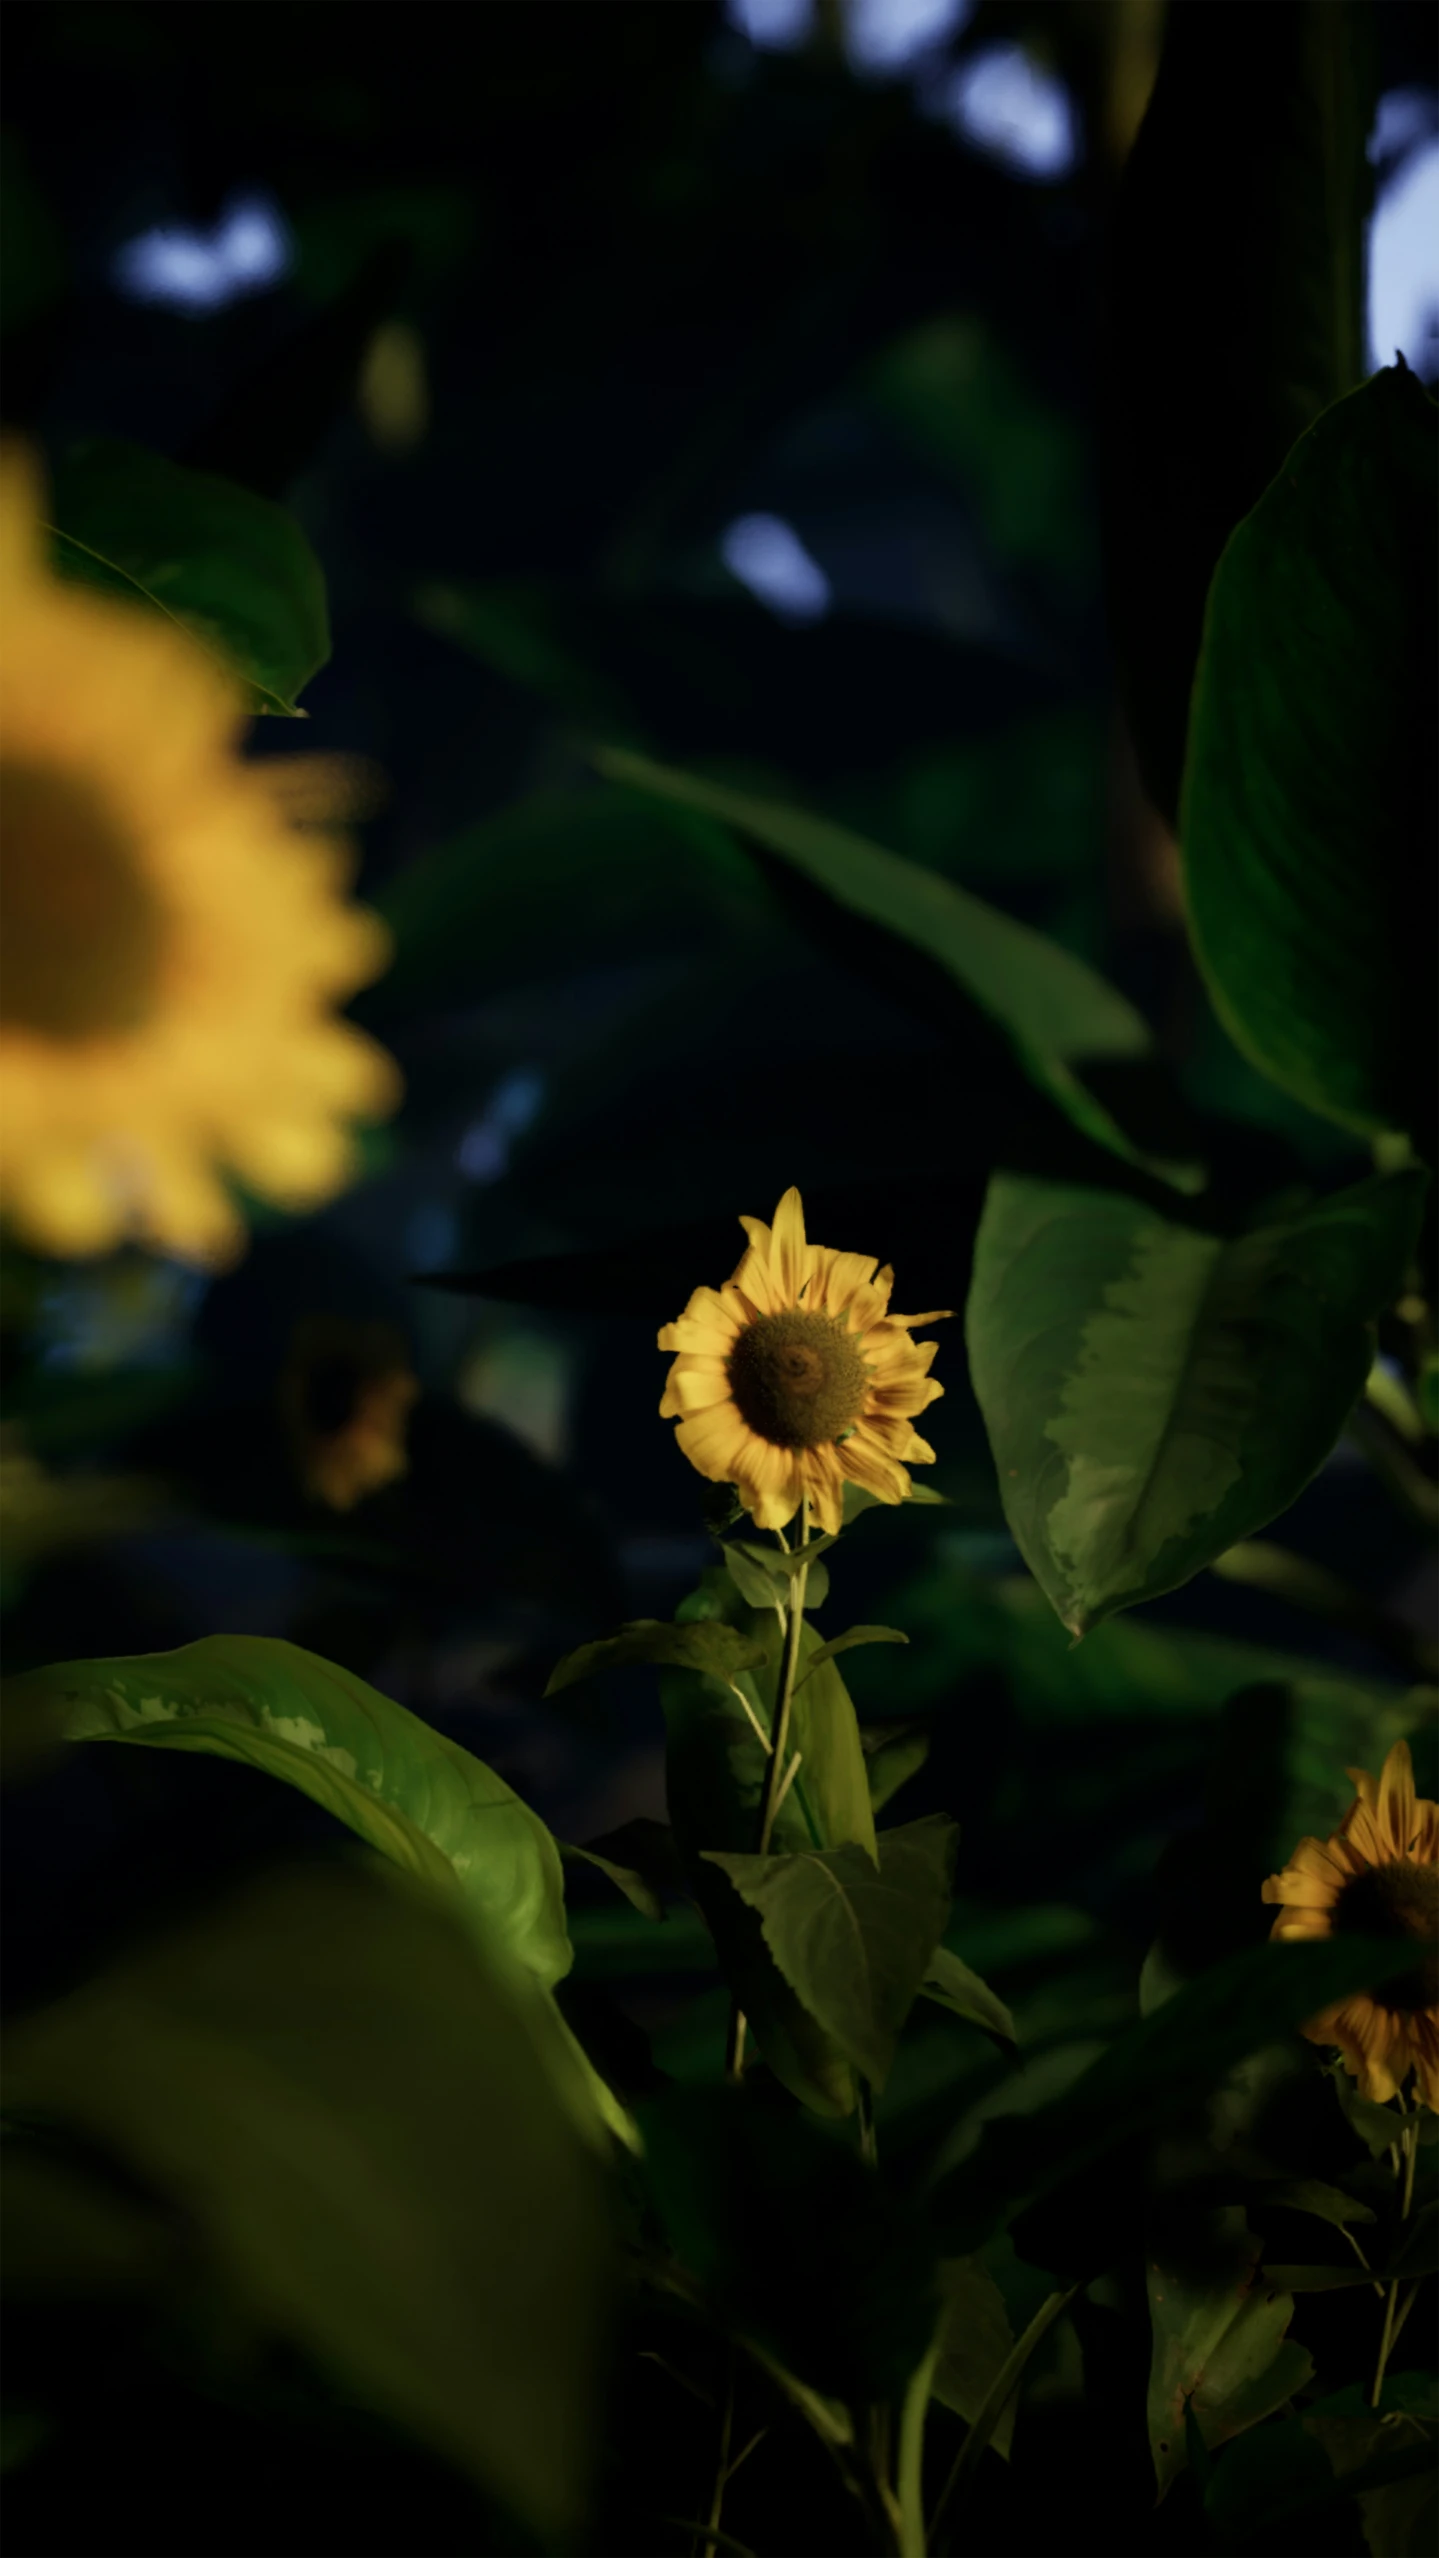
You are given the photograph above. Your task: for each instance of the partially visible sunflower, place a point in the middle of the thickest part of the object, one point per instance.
(1377, 1876)
(345, 1398)
(794, 1378)
(172, 944)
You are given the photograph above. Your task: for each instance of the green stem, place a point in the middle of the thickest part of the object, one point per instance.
(912, 2536)
(997, 2397)
(779, 1730)
(712, 2537)
(1409, 2139)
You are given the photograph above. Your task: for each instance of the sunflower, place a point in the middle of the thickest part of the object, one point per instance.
(795, 1378)
(1377, 1876)
(172, 941)
(345, 1397)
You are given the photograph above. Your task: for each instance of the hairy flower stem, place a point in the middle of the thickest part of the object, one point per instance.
(712, 2538)
(1409, 2150)
(779, 1731)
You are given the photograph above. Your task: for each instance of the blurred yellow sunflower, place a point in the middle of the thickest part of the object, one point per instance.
(794, 1378)
(345, 1397)
(1377, 1876)
(171, 941)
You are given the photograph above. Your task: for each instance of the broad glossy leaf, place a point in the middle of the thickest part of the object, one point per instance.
(952, 1984)
(1238, 228)
(1153, 1394)
(1312, 778)
(232, 567)
(975, 2343)
(1055, 1011)
(347, 2109)
(1156, 2072)
(795, 2241)
(400, 1785)
(717, 1650)
(1220, 2329)
(1322, 2202)
(853, 1938)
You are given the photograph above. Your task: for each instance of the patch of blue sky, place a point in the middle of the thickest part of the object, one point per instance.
(886, 39)
(773, 26)
(766, 555)
(483, 1153)
(1007, 106)
(1403, 233)
(184, 269)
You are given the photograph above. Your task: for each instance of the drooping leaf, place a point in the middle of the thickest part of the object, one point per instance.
(400, 1785)
(1055, 1011)
(952, 1984)
(346, 2108)
(1238, 227)
(975, 2343)
(1156, 2072)
(1153, 1394)
(641, 1860)
(919, 1496)
(232, 567)
(1313, 776)
(857, 1634)
(1323, 2202)
(1220, 2329)
(795, 2242)
(854, 1938)
(717, 1650)
(891, 1758)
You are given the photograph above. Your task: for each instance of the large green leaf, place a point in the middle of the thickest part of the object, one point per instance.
(1311, 792)
(1158, 2071)
(1238, 229)
(855, 1938)
(1055, 1011)
(795, 2242)
(233, 568)
(347, 2110)
(400, 1785)
(1153, 1394)
(1219, 2332)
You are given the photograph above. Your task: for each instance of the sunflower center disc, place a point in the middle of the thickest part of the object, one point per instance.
(80, 932)
(1401, 1902)
(797, 1378)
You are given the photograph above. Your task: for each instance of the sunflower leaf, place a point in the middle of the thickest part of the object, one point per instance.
(952, 1984)
(892, 1755)
(232, 567)
(1153, 1394)
(1055, 1011)
(854, 1937)
(976, 2341)
(1220, 2342)
(717, 1650)
(345, 2108)
(1311, 920)
(921, 1495)
(748, 1568)
(404, 1788)
(1155, 2072)
(857, 1634)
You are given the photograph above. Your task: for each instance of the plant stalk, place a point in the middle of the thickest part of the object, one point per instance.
(996, 2399)
(1409, 2143)
(779, 1731)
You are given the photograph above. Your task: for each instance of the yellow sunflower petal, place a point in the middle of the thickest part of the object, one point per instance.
(708, 1325)
(1396, 1807)
(693, 1385)
(789, 1255)
(715, 1442)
